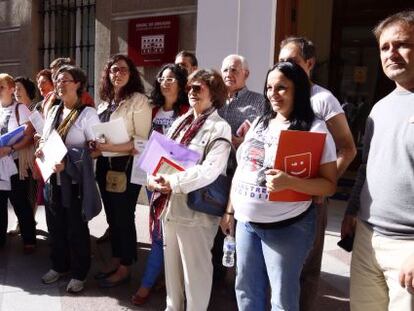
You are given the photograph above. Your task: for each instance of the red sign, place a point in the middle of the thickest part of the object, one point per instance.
(153, 41)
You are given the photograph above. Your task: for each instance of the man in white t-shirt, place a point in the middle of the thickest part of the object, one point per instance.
(326, 107)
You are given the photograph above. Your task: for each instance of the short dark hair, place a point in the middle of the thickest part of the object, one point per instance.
(182, 99)
(77, 74)
(47, 73)
(28, 85)
(306, 47)
(302, 115)
(61, 61)
(404, 17)
(191, 56)
(215, 84)
(106, 89)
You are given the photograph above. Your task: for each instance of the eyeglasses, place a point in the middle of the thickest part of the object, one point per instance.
(63, 81)
(166, 80)
(122, 70)
(196, 88)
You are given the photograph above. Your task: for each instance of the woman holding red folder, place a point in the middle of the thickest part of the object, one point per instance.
(273, 238)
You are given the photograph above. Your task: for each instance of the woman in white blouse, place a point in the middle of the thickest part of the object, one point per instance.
(66, 213)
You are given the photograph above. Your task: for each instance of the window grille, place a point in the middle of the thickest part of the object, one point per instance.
(69, 31)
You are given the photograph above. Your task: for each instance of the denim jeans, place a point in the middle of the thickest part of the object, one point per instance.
(276, 255)
(155, 260)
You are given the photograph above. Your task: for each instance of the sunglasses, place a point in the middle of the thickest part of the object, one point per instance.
(196, 88)
(122, 70)
(166, 80)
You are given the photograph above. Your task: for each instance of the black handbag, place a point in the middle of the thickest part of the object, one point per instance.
(213, 198)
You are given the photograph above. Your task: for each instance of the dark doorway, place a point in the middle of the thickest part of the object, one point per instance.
(355, 75)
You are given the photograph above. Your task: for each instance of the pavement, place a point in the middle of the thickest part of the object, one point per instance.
(21, 288)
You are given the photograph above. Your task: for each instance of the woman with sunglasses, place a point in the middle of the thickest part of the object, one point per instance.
(67, 211)
(273, 238)
(14, 184)
(188, 234)
(122, 91)
(170, 101)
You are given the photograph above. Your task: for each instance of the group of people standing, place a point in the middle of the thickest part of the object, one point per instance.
(278, 244)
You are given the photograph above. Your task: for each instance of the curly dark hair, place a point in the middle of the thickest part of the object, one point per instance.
(302, 115)
(106, 89)
(215, 83)
(28, 85)
(182, 98)
(77, 74)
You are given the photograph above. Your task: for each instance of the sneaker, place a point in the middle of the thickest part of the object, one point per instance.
(51, 276)
(75, 286)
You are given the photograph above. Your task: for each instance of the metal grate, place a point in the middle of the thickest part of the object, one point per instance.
(69, 31)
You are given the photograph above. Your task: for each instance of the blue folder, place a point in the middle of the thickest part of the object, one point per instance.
(12, 137)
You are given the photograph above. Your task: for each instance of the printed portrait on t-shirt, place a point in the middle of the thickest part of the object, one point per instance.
(5, 114)
(252, 159)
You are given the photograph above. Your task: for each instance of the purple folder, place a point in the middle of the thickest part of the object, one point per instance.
(159, 146)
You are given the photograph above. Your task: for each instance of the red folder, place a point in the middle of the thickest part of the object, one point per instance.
(167, 167)
(298, 154)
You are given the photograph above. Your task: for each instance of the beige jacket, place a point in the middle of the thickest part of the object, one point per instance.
(200, 175)
(136, 112)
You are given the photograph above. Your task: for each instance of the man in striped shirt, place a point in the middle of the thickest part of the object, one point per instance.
(241, 104)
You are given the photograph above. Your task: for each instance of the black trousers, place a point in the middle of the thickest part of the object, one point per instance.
(120, 209)
(22, 207)
(68, 234)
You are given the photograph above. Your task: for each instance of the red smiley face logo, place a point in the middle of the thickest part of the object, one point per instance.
(299, 165)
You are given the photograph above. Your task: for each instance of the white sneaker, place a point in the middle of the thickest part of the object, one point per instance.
(51, 276)
(75, 286)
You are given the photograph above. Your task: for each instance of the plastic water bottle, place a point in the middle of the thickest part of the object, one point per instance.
(229, 248)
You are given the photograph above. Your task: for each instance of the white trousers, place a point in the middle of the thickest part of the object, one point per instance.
(375, 268)
(188, 265)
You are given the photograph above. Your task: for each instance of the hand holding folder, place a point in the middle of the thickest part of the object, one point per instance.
(159, 146)
(298, 154)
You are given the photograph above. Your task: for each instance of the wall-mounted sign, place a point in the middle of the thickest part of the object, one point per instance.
(153, 41)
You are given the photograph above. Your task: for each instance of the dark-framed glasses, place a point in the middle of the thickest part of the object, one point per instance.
(63, 81)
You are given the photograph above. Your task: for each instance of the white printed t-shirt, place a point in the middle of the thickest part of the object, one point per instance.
(324, 104)
(256, 155)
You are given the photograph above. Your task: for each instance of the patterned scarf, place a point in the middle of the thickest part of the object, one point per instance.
(64, 127)
(159, 200)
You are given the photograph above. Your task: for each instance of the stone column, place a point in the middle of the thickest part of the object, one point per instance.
(240, 27)
(102, 40)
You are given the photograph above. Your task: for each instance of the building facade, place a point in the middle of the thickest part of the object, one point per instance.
(34, 32)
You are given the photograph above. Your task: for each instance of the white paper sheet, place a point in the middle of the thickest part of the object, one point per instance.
(114, 131)
(37, 121)
(53, 152)
(138, 176)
